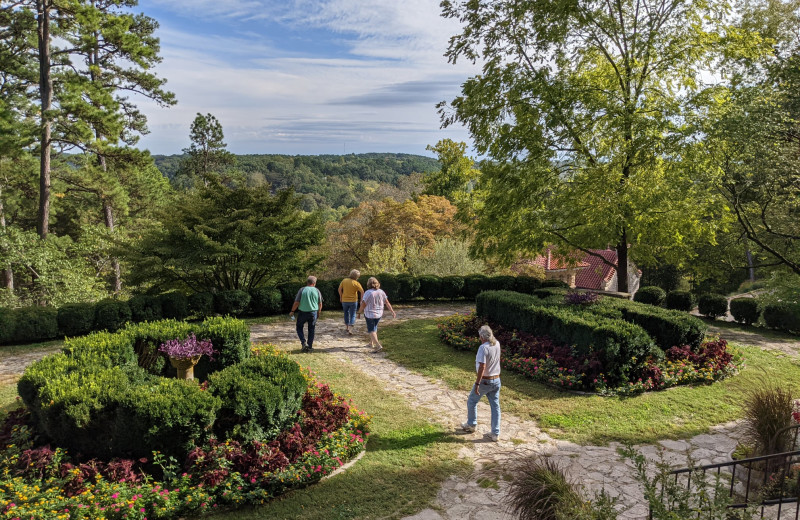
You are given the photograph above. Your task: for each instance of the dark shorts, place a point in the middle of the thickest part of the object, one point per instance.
(372, 324)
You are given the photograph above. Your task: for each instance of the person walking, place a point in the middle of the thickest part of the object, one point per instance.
(309, 301)
(487, 382)
(350, 293)
(372, 307)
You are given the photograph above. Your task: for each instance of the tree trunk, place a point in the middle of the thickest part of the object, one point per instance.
(751, 270)
(622, 262)
(8, 273)
(108, 214)
(43, 8)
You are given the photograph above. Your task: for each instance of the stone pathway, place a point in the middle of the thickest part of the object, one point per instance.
(463, 498)
(13, 365)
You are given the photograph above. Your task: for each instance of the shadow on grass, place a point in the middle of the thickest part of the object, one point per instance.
(394, 442)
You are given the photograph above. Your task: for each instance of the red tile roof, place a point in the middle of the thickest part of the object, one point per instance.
(552, 261)
(598, 273)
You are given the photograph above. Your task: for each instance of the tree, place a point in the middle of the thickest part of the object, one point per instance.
(582, 107)
(207, 155)
(218, 238)
(457, 176)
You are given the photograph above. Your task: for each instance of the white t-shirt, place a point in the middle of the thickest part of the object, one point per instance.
(490, 356)
(374, 300)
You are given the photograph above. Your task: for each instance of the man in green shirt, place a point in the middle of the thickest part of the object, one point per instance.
(309, 301)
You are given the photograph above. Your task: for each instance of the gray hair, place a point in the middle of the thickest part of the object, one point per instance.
(373, 283)
(486, 334)
(311, 280)
(354, 274)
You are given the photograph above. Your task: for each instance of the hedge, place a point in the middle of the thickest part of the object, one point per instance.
(232, 303)
(623, 347)
(76, 319)
(201, 304)
(651, 295)
(430, 287)
(145, 307)
(111, 315)
(745, 310)
(103, 395)
(667, 327)
(783, 316)
(7, 323)
(680, 301)
(712, 305)
(265, 301)
(35, 324)
(174, 306)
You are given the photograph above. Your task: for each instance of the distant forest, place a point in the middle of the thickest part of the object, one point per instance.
(328, 182)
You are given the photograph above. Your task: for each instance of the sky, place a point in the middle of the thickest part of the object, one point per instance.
(305, 76)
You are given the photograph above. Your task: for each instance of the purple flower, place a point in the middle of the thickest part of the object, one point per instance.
(187, 348)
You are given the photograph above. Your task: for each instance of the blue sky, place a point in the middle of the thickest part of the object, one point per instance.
(305, 76)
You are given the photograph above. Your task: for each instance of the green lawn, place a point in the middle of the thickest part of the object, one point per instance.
(588, 419)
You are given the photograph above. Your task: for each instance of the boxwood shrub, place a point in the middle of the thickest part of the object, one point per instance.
(782, 316)
(76, 319)
(201, 304)
(430, 287)
(712, 305)
(35, 324)
(233, 302)
(389, 285)
(650, 295)
(174, 305)
(265, 301)
(745, 310)
(330, 294)
(474, 284)
(680, 301)
(526, 284)
(288, 292)
(111, 315)
(667, 327)
(555, 283)
(452, 287)
(7, 325)
(407, 287)
(501, 283)
(231, 340)
(145, 307)
(259, 397)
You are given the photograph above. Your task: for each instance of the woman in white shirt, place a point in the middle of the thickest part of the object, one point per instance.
(487, 382)
(372, 306)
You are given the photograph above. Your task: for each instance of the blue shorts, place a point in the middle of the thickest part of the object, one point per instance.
(372, 324)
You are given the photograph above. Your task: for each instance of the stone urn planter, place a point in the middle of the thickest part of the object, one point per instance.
(185, 366)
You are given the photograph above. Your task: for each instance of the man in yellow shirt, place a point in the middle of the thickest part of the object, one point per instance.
(350, 293)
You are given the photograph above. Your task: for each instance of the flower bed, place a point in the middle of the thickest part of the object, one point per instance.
(39, 481)
(542, 360)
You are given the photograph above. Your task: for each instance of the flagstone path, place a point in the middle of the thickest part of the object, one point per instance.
(463, 498)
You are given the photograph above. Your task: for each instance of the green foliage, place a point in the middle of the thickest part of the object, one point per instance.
(260, 397)
(474, 284)
(289, 291)
(622, 347)
(446, 257)
(540, 489)
(201, 304)
(680, 301)
(221, 238)
(651, 295)
(389, 285)
(145, 307)
(430, 287)
(407, 287)
(111, 315)
(768, 409)
(782, 316)
(35, 324)
(233, 302)
(502, 283)
(526, 284)
(174, 305)
(76, 319)
(712, 305)
(207, 157)
(265, 301)
(231, 340)
(668, 328)
(452, 287)
(665, 276)
(8, 324)
(745, 310)
(557, 284)
(330, 294)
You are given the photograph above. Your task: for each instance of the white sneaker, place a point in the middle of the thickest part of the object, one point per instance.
(492, 437)
(467, 427)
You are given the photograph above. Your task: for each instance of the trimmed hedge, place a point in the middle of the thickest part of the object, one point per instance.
(651, 295)
(8, 323)
(783, 316)
(35, 324)
(145, 307)
(712, 305)
(76, 319)
(407, 287)
(745, 310)
(430, 287)
(452, 287)
(231, 303)
(102, 395)
(667, 327)
(680, 301)
(111, 315)
(174, 306)
(265, 300)
(623, 347)
(201, 304)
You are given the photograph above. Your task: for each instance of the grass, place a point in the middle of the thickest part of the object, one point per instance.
(762, 331)
(15, 350)
(589, 419)
(408, 457)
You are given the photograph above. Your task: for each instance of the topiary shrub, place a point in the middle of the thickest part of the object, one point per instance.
(145, 307)
(330, 294)
(231, 340)
(35, 324)
(452, 287)
(745, 310)
(501, 283)
(260, 397)
(554, 284)
(668, 328)
(430, 287)
(232, 303)
(201, 304)
(526, 284)
(76, 319)
(474, 284)
(712, 305)
(680, 301)
(390, 286)
(174, 305)
(407, 287)
(111, 315)
(265, 301)
(782, 316)
(651, 295)
(7, 325)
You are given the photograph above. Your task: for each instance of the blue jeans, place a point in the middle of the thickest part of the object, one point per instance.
(304, 317)
(372, 324)
(350, 309)
(491, 389)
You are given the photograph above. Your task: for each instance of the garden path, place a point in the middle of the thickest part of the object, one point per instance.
(463, 498)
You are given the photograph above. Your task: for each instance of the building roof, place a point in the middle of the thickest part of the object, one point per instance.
(598, 273)
(556, 262)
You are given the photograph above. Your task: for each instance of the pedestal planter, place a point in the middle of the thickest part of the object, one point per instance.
(185, 366)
